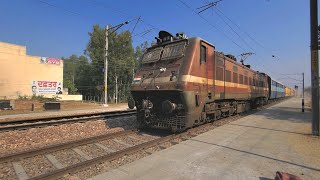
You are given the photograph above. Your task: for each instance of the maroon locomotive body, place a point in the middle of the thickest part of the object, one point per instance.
(184, 82)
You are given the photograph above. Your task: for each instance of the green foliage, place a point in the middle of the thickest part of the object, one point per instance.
(121, 61)
(139, 52)
(86, 77)
(75, 72)
(24, 97)
(68, 83)
(41, 98)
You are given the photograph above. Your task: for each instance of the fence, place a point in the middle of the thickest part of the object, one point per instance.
(100, 99)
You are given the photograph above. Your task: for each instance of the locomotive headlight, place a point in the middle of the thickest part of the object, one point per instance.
(173, 75)
(147, 104)
(168, 107)
(162, 69)
(131, 103)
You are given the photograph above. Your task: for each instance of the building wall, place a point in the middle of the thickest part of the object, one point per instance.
(18, 70)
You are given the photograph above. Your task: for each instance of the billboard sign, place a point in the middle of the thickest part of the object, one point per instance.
(47, 60)
(46, 87)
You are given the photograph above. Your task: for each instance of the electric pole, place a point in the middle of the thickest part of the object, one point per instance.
(302, 92)
(106, 68)
(114, 28)
(314, 66)
(303, 85)
(116, 89)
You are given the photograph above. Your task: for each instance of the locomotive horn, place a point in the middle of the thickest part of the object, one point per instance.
(168, 107)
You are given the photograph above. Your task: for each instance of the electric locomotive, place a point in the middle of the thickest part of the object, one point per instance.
(184, 82)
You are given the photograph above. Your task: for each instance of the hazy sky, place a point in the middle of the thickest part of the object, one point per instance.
(265, 27)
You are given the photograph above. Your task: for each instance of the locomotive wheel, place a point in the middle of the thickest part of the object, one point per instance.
(218, 116)
(178, 130)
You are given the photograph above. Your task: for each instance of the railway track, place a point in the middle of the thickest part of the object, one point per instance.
(22, 124)
(119, 152)
(116, 149)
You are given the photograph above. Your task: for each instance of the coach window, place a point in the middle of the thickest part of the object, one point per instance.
(235, 69)
(235, 77)
(228, 76)
(203, 54)
(219, 73)
(220, 62)
(240, 79)
(245, 80)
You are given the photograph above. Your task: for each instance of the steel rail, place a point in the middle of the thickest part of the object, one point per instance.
(48, 118)
(66, 145)
(108, 157)
(14, 125)
(114, 155)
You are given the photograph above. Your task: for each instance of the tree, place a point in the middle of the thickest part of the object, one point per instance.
(76, 71)
(139, 52)
(69, 73)
(121, 61)
(86, 76)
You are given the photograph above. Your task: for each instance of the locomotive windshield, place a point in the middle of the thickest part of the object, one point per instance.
(152, 55)
(170, 51)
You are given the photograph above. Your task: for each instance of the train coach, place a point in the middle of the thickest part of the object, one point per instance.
(184, 82)
(289, 92)
(277, 90)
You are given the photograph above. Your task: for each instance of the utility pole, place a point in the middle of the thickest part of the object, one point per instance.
(314, 66)
(114, 28)
(116, 89)
(303, 85)
(302, 92)
(106, 68)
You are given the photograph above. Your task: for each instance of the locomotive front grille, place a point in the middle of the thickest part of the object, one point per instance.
(174, 123)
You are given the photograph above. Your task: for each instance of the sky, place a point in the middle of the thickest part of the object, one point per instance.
(267, 28)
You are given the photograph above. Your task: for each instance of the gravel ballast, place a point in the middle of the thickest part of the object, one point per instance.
(17, 141)
(68, 157)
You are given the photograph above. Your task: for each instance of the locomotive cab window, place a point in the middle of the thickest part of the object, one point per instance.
(203, 54)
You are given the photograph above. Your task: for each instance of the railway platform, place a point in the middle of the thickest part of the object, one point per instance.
(254, 147)
(61, 113)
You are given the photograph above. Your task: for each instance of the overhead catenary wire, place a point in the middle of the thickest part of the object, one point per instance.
(122, 12)
(87, 18)
(135, 25)
(250, 36)
(209, 5)
(261, 63)
(211, 25)
(64, 9)
(235, 24)
(234, 31)
(102, 5)
(259, 59)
